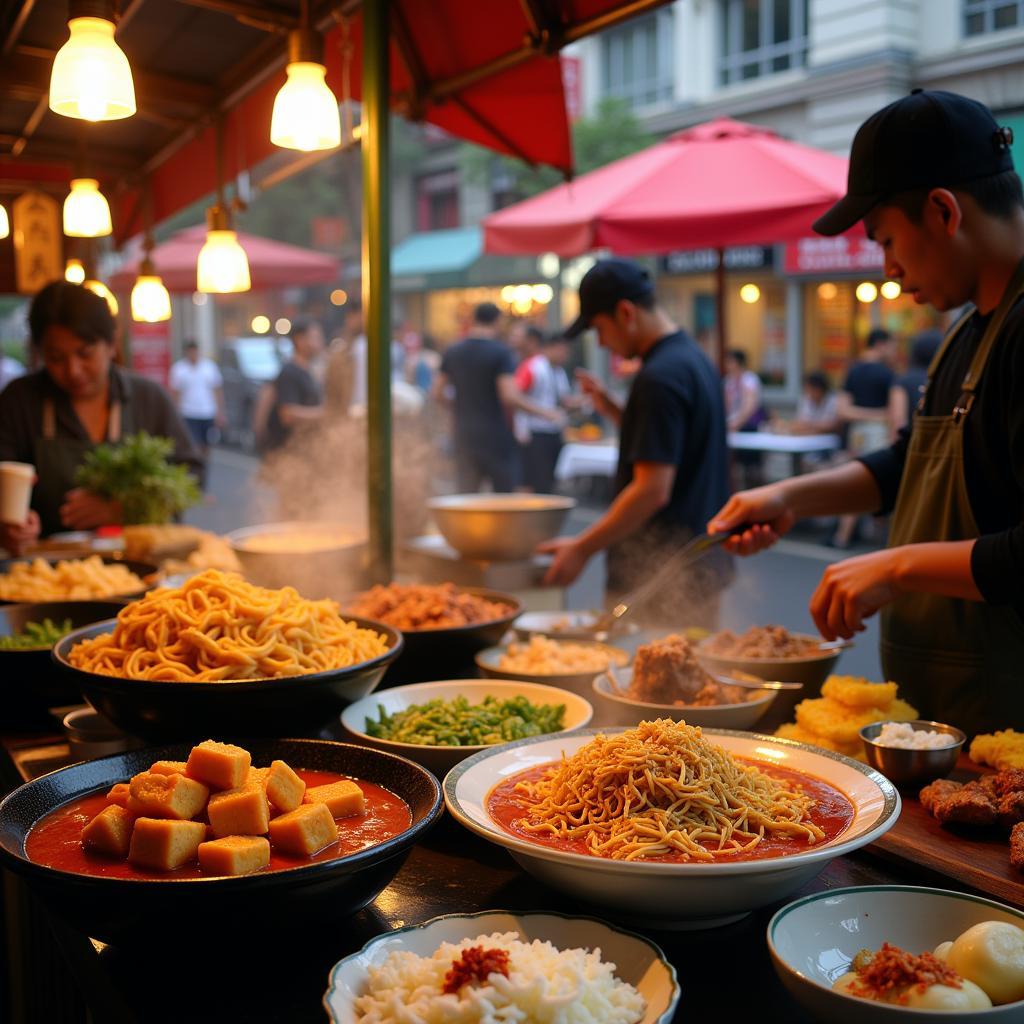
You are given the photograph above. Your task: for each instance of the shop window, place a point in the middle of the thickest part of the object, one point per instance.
(982, 16)
(636, 60)
(762, 37)
(437, 201)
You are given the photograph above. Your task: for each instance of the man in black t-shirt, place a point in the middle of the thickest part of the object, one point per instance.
(932, 178)
(478, 376)
(298, 398)
(673, 464)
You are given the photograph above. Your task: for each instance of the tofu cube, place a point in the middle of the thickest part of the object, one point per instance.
(284, 788)
(257, 777)
(110, 832)
(239, 812)
(165, 845)
(234, 855)
(166, 796)
(342, 798)
(167, 767)
(219, 765)
(119, 794)
(304, 831)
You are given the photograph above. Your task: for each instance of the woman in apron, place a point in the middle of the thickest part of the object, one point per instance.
(78, 399)
(932, 178)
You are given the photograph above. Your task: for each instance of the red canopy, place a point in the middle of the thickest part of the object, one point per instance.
(718, 184)
(271, 264)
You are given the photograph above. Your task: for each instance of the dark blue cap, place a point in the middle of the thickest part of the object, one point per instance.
(929, 139)
(604, 286)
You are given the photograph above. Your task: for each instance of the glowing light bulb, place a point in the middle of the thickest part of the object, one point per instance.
(305, 110)
(827, 291)
(750, 293)
(223, 267)
(283, 325)
(508, 293)
(260, 324)
(5, 222)
(542, 293)
(151, 302)
(74, 271)
(91, 78)
(866, 292)
(86, 212)
(339, 297)
(100, 289)
(891, 290)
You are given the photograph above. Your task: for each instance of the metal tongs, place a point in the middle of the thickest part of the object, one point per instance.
(691, 552)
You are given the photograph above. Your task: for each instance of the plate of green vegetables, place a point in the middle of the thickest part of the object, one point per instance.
(439, 724)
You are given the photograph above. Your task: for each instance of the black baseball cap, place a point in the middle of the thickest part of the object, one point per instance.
(604, 286)
(929, 139)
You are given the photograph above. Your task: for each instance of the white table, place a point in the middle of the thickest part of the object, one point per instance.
(794, 445)
(579, 458)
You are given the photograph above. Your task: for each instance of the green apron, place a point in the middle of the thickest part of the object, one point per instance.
(57, 460)
(956, 661)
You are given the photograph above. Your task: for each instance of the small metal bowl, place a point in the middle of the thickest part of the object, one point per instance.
(906, 767)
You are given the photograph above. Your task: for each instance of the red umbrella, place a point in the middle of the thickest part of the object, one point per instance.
(717, 184)
(271, 264)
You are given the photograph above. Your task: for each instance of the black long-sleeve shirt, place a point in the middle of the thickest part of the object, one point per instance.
(147, 407)
(993, 453)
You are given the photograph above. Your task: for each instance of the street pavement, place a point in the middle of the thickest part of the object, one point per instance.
(773, 587)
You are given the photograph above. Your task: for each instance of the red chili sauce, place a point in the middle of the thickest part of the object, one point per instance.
(832, 812)
(56, 840)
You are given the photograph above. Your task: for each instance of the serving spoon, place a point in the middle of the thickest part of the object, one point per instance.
(750, 684)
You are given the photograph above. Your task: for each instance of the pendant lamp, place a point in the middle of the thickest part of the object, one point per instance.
(223, 267)
(5, 222)
(91, 78)
(305, 113)
(86, 213)
(151, 302)
(74, 271)
(100, 289)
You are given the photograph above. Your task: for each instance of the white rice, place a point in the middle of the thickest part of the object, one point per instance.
(905, 736)
(545, 986)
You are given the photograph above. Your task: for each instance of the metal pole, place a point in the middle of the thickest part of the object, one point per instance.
(376, 284)
(720, 301)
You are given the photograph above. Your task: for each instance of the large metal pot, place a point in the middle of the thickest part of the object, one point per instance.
(499, 527)
(317, 559)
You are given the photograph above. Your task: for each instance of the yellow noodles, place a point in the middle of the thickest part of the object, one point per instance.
(660, 789)
(73, 580)
(217, 627)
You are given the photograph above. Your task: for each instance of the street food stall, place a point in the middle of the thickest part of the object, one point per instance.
(562, 813)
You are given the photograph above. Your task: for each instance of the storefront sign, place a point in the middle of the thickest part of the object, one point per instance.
(704, 261)
(151, 351)
(37, 241)
(832, 256)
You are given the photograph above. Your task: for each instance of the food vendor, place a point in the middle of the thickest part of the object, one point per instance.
(932, 178)
(77, 400)
(673, 463)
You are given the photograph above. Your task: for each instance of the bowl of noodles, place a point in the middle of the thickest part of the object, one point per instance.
(220, 654)
(443, 626)
(95, 578)
(668, 824)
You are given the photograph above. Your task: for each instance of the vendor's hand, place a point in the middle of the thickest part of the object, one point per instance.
(765, 508)
(16, 537)
(556, 416)
(569, 562)
(83, 510)
(594, 390)
(853, 590)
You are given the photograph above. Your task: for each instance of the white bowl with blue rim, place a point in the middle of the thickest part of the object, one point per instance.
(674, 895)
(637, 960)
(813, 940)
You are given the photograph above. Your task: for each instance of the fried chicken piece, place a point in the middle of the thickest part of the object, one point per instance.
(1017, 846)
(970, 805)
(1011, 809)
(932, 795)
(1011, 780)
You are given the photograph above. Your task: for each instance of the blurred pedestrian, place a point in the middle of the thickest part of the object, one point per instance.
(542, 378)
(198, 390)
(909, 386)
(744, 410)
(673, 460)
(298, 400)
(477, 376)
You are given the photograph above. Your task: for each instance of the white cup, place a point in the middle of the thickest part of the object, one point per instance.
(16, 479)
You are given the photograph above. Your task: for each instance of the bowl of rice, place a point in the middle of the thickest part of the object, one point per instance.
(536, 967)
(912, 753)
(571, 665)
(440, 724)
